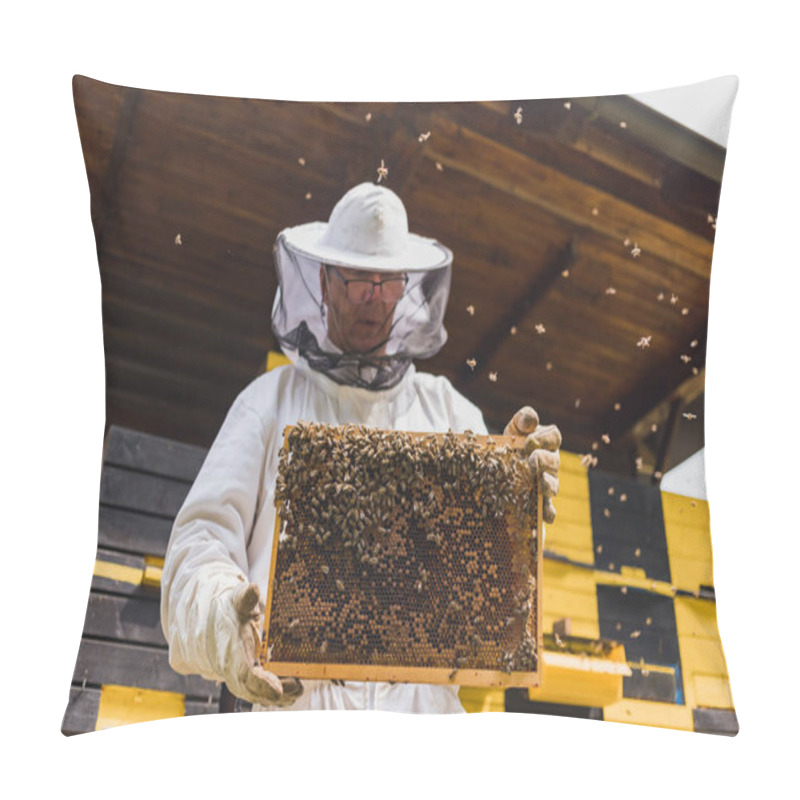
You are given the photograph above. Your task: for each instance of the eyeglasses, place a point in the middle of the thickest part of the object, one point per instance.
(361, 290)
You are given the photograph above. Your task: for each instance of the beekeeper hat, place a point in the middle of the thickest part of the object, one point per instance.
(367, 229)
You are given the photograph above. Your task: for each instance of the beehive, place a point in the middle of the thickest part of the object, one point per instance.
(404, 557)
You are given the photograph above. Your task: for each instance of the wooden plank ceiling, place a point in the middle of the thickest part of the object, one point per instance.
(542, 215)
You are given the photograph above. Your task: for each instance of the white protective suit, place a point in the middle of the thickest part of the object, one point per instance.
(224, 532)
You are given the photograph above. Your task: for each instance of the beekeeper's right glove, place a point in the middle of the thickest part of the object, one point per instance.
(542, 444)
(233, 631)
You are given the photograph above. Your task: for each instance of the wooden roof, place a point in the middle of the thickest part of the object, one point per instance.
(536, 212)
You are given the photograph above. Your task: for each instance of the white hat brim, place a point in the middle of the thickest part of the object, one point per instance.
(420, 253)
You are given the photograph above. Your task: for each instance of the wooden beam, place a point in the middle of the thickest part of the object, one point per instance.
(610, 161)
(660, 133)
(107, 205)
(667, 436)
(686, 392)
(193, 354)
(661, 384)
(544, 187)
(536, 290)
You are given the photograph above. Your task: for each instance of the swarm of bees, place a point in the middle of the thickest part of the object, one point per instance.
(403, 550)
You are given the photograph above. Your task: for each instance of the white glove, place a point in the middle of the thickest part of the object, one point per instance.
(233, 633)
(542, 446)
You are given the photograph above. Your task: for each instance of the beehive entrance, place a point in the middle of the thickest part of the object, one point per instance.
(407, 557)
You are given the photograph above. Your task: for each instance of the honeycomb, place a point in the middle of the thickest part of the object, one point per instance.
(406, 557)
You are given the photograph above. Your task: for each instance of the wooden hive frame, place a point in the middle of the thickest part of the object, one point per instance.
(503, 639)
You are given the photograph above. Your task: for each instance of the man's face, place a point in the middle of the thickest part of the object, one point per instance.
(359, 317)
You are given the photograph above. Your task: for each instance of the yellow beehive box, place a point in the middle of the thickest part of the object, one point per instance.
(581, 673)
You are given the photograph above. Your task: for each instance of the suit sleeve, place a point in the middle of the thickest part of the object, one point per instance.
(207, 552)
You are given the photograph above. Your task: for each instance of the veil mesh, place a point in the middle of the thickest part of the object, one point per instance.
(300, 322)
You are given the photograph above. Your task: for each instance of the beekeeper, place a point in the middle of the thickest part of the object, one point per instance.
(359, 298)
